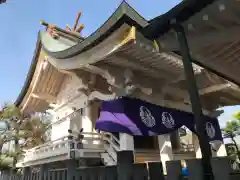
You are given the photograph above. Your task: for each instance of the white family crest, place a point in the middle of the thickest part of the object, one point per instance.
(210, 130)
(168, 120)
(147, 117)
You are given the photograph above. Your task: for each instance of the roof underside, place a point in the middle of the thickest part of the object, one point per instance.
(212, 34)
(187, 12)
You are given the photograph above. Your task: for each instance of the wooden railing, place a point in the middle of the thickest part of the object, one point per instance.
(60, 146)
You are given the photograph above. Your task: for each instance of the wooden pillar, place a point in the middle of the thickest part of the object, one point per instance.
(175, 140)
(43, 172)
(125, 160)
(71, 165)
(174, 170)
(221, 168)
(26, 173)
(194, 97)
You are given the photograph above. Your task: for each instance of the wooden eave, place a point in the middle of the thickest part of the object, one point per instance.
(45, 82)
(166, 69)
(162, 63)
(41, 81)
(212, 34)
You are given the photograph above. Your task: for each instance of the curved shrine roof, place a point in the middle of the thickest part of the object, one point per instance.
(30, 72)
(65, 48)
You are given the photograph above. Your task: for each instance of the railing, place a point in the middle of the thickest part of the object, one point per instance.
(56, 147)
(92, 142)
(111, 145)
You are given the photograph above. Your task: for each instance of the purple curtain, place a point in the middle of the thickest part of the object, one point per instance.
(137, 117)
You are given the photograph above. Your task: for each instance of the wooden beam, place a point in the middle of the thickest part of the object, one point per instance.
(198, 41)
(45, 97)
(214, 88)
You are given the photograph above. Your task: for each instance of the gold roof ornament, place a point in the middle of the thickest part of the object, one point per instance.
(54, 31)
(51, 29)
(75, 27)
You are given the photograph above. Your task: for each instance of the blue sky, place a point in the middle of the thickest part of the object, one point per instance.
(20, 25)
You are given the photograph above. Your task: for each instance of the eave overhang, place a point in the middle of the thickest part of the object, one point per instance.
(211, 27)
(41, 85)
(30, 74)
(124, 14)
(115, 37)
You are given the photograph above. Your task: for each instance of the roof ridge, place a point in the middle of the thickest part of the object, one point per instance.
(73, 34)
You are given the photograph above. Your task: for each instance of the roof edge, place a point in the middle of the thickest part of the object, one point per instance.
(123, 14)
(30, 74)
(181, 12)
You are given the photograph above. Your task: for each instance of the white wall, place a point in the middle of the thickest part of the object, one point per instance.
(69, 99)
(60, 130)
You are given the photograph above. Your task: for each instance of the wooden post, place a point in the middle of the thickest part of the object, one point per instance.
(125, 157)
(71, 163)
(155, 171)
(26, 173)
(125, 160)
(71, 168)
(174, 170)
(221, 167)
(139, 172)
(71, 153)
(194, 98)
(195, 169)
(108, 173)
(43, 172)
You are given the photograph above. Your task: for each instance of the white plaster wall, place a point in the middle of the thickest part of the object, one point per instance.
(76, 122)
(68, 98)
(60, 129)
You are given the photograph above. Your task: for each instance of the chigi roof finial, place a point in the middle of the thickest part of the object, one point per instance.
(75, 27)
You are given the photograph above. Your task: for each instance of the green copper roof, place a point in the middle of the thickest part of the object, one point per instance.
(56, 45)
(182, 12)
(124, 14)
